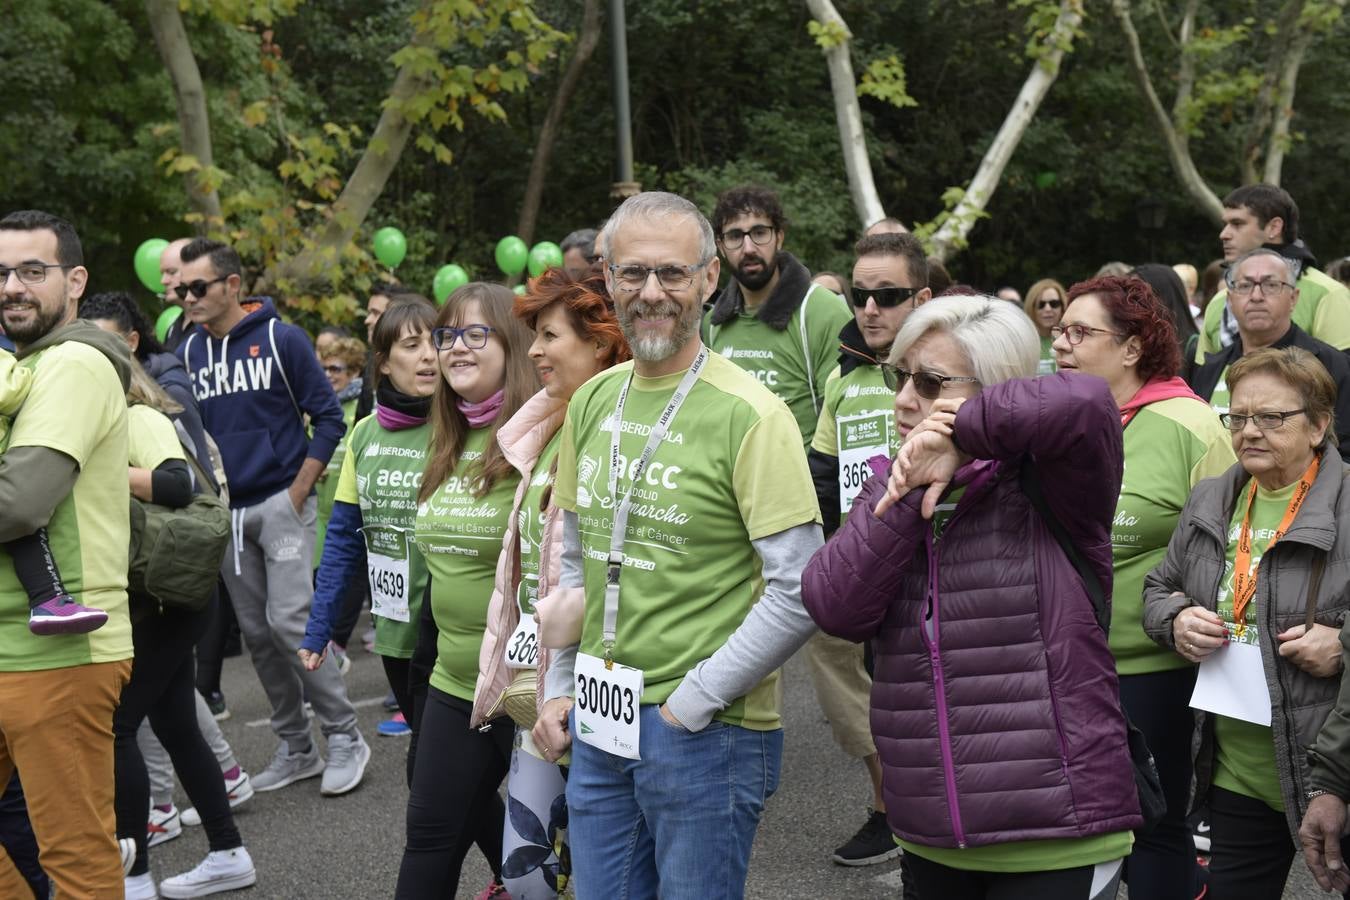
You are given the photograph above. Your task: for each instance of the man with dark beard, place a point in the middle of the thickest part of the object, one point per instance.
(65, 469)
(770, 319)
(687, 518)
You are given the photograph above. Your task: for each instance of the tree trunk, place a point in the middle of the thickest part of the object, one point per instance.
(952, 235)
(171, 38)
(1177, 150)
(367, 181)
(1284, 101)
(587, 39)
(1289, 47)
(1185, 71)
(861, 185)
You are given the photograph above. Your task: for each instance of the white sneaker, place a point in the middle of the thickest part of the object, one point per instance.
(347, 759)
(140, 887)
(127, 847)
(222, 870)
(237, 790)
(287, 768)
(163, 826)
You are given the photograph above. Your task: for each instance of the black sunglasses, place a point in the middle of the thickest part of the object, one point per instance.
(926, 384)
(886, 297)
(1052, 304)
(197, 288)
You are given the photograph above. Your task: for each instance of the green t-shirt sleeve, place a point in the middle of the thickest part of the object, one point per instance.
(15, 380)
(151, 438)
(826, 438)
(827, 317)
(772, 484)
(1209, 335)
(346, 483)
(1331, 321)
(1216, 459)
(565, 485)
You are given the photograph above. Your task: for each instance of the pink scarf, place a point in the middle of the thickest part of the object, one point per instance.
(480, 414)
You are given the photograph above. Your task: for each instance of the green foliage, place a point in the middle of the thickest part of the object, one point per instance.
(884, 79)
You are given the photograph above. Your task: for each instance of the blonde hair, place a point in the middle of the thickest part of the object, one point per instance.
(145, 391)
(1034, 297)
(350, 351)
(1000, 343)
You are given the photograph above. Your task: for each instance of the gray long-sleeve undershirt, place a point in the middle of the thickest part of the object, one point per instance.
(774, 628)
(33, 482)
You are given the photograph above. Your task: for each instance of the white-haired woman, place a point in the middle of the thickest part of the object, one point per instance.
(995, 706)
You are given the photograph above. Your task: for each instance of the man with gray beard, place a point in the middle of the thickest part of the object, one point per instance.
(682, 487)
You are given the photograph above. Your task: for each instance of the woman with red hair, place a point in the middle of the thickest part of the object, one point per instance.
(1117, 329)
(576, 337)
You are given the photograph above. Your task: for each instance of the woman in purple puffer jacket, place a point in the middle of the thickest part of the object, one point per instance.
(995, 706)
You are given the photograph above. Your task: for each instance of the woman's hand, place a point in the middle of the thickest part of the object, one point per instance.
(550, 731)
(941, 417)
(1197, 632)
(311, 659)
(1318, 652)
(927, 458)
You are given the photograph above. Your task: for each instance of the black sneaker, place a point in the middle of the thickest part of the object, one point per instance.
(873, 843)
(215, 701)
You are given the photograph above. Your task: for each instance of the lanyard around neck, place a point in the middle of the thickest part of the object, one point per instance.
(622, 507)
(1244, 579)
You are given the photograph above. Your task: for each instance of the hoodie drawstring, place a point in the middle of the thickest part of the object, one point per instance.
(237, 534)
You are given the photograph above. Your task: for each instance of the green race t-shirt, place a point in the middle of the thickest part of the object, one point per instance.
(1029, 856)
(857, 422)
(1244, 751)
(151, 438)
(76, 406)
(1047, 366)
(381, 472)
(530, 524)
(731, 471)
(1170, 446)
(460, 535)
(326, 489)
(778, 359)
(1221, 398)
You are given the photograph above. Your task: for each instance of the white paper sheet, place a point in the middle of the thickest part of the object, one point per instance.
(1232, 682)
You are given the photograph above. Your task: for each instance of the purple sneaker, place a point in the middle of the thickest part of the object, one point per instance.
(62, 615)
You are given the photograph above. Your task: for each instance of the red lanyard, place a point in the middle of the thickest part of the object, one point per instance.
(1244, 579)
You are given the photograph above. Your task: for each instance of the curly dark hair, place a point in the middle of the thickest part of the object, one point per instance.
(1136, 311)
(119, 307)
(740, 201)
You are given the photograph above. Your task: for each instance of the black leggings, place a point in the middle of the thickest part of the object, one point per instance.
(211, 645)
(399, 673)
(1162, 864)
(161, 687)
(940, 882)
(1252, 848)
(454, 801)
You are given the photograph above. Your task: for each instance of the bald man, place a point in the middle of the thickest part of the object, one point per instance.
(170, 262)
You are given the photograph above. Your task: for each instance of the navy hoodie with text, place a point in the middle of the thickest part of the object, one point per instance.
(254, 387)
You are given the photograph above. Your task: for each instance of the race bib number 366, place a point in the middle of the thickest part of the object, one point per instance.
(860, 438)
(607, 706)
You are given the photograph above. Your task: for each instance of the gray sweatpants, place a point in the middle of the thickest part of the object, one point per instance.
(157, 761)
(268, 574)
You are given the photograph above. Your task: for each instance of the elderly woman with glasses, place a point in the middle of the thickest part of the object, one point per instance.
(1117, 329)
(1255, 588)
(995, 707)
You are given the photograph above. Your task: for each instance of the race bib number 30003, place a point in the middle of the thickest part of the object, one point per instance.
(607, 706)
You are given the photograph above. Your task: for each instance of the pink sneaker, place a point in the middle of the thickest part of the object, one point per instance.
(62, 615)
(494, 891)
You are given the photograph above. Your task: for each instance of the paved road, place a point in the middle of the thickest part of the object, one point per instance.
(306, 846)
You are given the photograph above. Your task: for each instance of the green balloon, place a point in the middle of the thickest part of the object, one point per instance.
(512, 254)
(544, 255)
(390, 246)
(165, 321)
(448, 278)
(146, 262)
(519, 289)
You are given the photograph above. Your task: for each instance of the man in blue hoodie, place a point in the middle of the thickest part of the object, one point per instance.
(255, 379)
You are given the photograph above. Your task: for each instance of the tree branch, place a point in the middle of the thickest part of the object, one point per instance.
(1185, 72)
(587, 39)
(1287, 36)
(1177, 151)
(1284, 100)
(954, 230)
(861, 186)
(166, 24)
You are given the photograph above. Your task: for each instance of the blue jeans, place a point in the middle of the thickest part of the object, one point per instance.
(698, 797)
